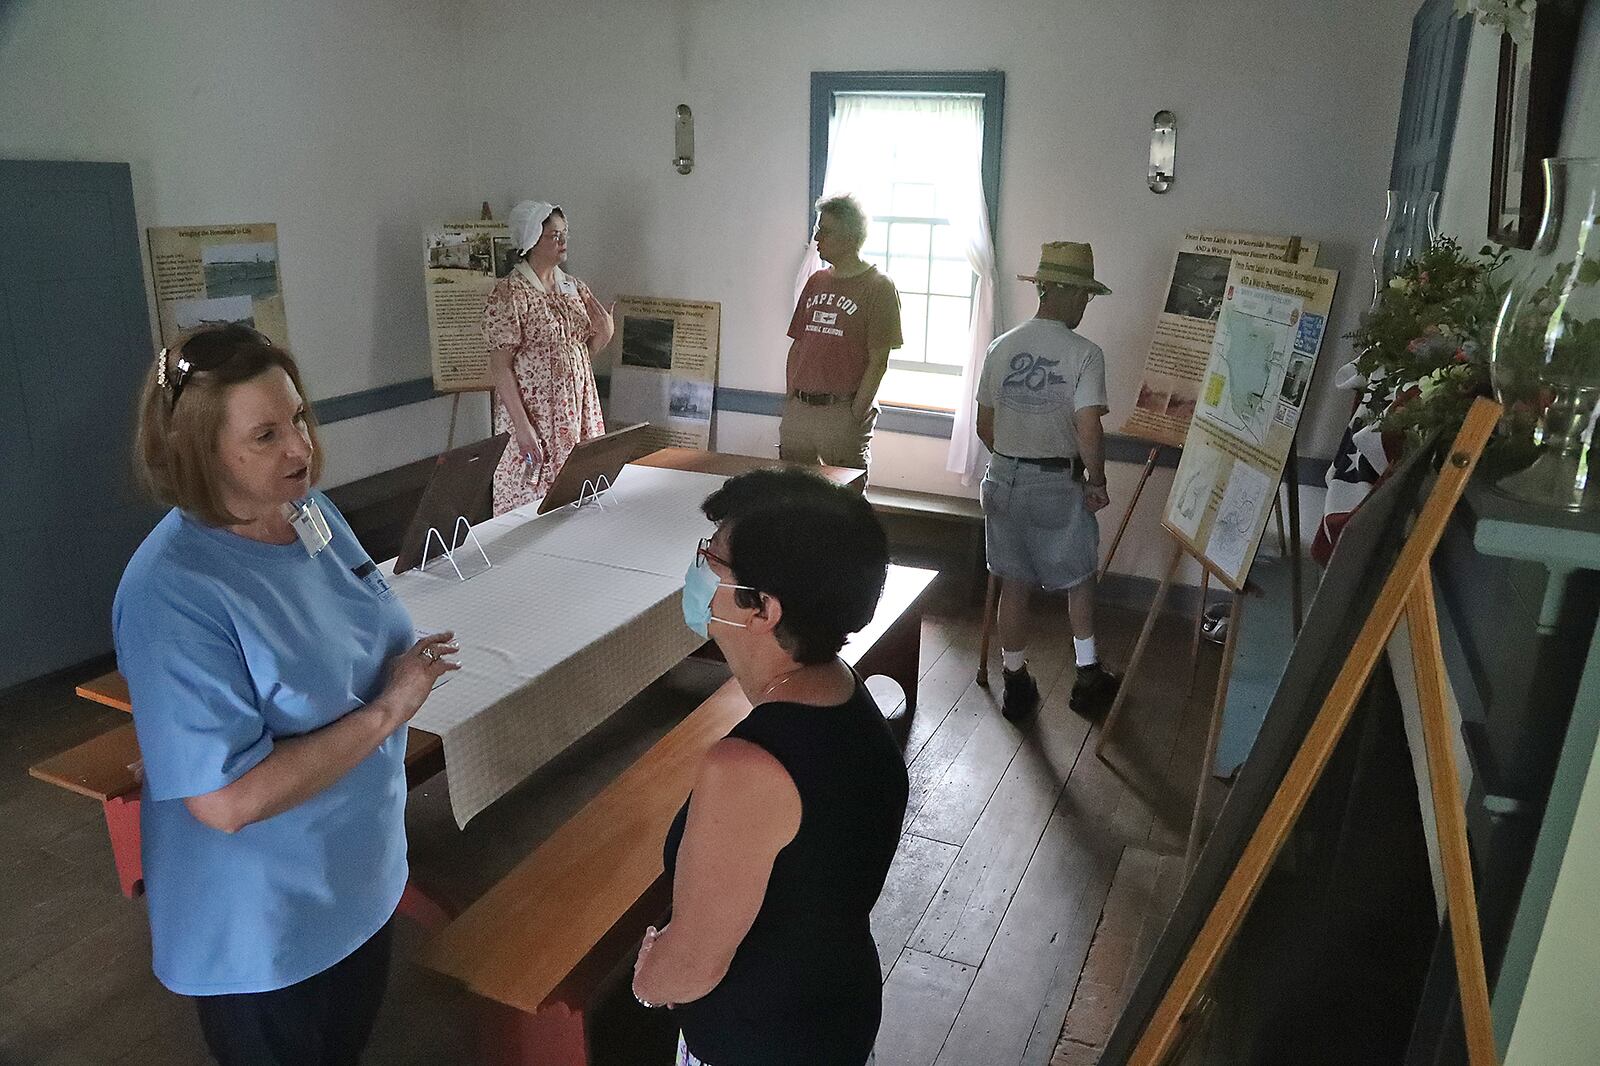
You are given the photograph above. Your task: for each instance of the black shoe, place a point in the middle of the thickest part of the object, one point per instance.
(1094, 690)
(1022, 694)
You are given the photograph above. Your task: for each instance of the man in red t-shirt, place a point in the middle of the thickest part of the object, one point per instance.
(844, 326)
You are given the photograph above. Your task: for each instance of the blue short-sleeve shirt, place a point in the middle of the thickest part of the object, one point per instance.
(230, 645)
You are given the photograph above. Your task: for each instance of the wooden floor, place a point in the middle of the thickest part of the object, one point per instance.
(1014, 840)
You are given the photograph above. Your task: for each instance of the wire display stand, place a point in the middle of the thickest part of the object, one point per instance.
(459, 536)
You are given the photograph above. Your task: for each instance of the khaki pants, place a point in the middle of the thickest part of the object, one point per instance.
(828, 434)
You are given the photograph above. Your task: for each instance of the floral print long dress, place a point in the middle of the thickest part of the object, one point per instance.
(549, 331)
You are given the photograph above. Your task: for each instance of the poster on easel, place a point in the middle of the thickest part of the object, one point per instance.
(461, 263)
(1169, 387)
(1269, 331)
(211, 275)
(664, 368)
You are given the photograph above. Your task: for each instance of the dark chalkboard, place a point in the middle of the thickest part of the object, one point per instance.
(1360, 565)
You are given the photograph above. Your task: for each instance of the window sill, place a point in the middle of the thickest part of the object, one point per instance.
(922, 421)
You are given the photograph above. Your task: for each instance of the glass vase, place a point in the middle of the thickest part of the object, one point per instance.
(1546, 347)
(1408, 230)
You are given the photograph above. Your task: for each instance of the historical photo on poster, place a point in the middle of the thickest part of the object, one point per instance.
(648, 343)
(461, 262)
(1197, 285)
(212, 275)
(1255, 381)
(1187, 323)
(664, 370)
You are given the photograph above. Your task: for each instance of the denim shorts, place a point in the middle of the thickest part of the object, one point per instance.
(1037, 528)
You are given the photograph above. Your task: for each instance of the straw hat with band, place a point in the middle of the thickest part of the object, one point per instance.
(1066, 263)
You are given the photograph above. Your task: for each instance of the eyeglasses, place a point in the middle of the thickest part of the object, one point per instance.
(704, 555)
(557, 236)
(205, 351)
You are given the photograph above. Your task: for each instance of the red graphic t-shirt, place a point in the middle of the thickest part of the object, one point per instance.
(836, 323)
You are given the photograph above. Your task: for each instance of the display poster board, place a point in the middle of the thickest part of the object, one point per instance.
(461, 263)
(595, 464)
(1169, 388)
(461, 486)
(664, 368)
(1252, 392)
(211, 275)
(1356, 574)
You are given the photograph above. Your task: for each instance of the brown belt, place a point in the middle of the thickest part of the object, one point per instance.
(819, 399)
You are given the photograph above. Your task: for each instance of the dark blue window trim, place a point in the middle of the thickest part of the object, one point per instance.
(990, 83)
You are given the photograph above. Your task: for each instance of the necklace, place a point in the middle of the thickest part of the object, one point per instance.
(777, 682)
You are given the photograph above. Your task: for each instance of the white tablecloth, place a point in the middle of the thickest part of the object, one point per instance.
(580, 611)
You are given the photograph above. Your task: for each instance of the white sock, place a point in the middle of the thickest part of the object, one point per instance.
(1085, 650)
(1013, 660)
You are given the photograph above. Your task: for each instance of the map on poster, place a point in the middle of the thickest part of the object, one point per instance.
(664, 368)
(1169, 389)
(461, 261)
(210, 275)
(1253, 388)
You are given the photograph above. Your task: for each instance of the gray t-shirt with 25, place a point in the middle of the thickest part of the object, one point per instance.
(1037, 377)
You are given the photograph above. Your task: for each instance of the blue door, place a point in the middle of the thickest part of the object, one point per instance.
(74, 345)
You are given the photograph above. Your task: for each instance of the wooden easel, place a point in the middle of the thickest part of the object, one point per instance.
(1407, 591)
(1219, 699)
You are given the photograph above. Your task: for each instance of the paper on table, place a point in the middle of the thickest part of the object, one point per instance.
(579, 613)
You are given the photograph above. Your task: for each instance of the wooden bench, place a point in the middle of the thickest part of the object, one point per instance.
(540, 948)
(108, 768)
(961, 512)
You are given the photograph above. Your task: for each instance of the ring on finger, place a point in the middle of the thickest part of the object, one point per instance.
(430, 655)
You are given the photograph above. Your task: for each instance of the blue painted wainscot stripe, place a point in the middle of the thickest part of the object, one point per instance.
(1119, 448)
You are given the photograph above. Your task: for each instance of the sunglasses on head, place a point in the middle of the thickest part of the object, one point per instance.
(207, 350)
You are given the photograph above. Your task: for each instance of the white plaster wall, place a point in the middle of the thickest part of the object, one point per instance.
(1278, 132)
(351, 125)
(337, 121)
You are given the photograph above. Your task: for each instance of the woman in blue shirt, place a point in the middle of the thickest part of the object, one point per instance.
(272, 672)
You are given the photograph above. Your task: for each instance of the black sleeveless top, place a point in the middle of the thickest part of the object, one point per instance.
(804, 986)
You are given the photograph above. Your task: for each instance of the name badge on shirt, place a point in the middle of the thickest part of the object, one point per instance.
(372, 577)
(309, 524)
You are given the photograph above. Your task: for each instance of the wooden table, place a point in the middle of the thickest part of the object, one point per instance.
(729, 465)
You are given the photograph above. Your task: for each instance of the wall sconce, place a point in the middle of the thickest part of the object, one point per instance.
(683, 138)
(1163, 149)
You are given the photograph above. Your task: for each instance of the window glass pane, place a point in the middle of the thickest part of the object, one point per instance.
(918, 388)
(909, 238)
(913, 199)
(877, 238)
(913, 326)
(877, 259)
(910, 273)
(952, 279)
(948, 339)
(947, 244)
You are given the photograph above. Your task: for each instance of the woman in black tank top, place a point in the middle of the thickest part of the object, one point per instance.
(783, 847)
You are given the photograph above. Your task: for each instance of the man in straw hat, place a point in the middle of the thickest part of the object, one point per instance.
(1040, 400)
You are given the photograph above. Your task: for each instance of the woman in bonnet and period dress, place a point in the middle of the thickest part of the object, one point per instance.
(542, 327)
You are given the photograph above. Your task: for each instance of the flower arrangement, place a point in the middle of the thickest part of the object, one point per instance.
(1424, 346)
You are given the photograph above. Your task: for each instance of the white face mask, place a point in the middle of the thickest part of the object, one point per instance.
(700, 585)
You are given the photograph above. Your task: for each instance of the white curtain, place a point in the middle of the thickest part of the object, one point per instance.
(861, 160)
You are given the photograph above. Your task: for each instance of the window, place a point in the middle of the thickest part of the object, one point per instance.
(922, 152)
